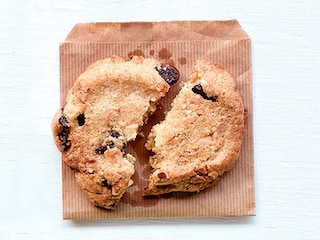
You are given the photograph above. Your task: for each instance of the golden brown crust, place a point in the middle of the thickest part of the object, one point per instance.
(201, 136)
(104, 109)
(104, 183)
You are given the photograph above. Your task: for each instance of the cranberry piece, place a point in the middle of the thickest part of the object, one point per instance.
(63, 135)
(105, 183)
(81, 119)
(169, 73)
(199, 90)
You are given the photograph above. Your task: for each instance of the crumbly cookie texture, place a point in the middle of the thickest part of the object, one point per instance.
(201, 136)
(105, 109)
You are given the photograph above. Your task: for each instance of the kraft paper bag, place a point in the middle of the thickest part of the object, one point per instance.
(179, 43)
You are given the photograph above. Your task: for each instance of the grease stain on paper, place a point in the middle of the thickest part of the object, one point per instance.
(182, 61)
(163, 54)
(136, 52)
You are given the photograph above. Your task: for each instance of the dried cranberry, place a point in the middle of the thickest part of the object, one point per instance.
(162, 175)
(124, 147)
(114, 133)
(169, 73)
(105, 183)
(63, 135)
(102, 149)
(199, 90)
(81, 119)
(64, 122)
(66, 143)
(212, 98)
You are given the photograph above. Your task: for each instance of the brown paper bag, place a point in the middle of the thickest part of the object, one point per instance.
(180, 43)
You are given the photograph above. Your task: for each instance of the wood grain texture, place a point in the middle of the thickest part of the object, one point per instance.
(285, 48)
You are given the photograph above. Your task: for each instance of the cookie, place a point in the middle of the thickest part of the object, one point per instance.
(200, 138)
(105, 109)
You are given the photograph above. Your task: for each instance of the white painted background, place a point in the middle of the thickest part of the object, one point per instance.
(286, 94)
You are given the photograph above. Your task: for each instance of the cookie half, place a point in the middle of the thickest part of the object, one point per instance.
(105, 109)
(201, 136)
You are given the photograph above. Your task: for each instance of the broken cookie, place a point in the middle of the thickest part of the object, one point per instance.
(105, 108)
(200, 138)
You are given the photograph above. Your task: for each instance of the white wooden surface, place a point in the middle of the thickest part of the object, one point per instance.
(286, 94)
